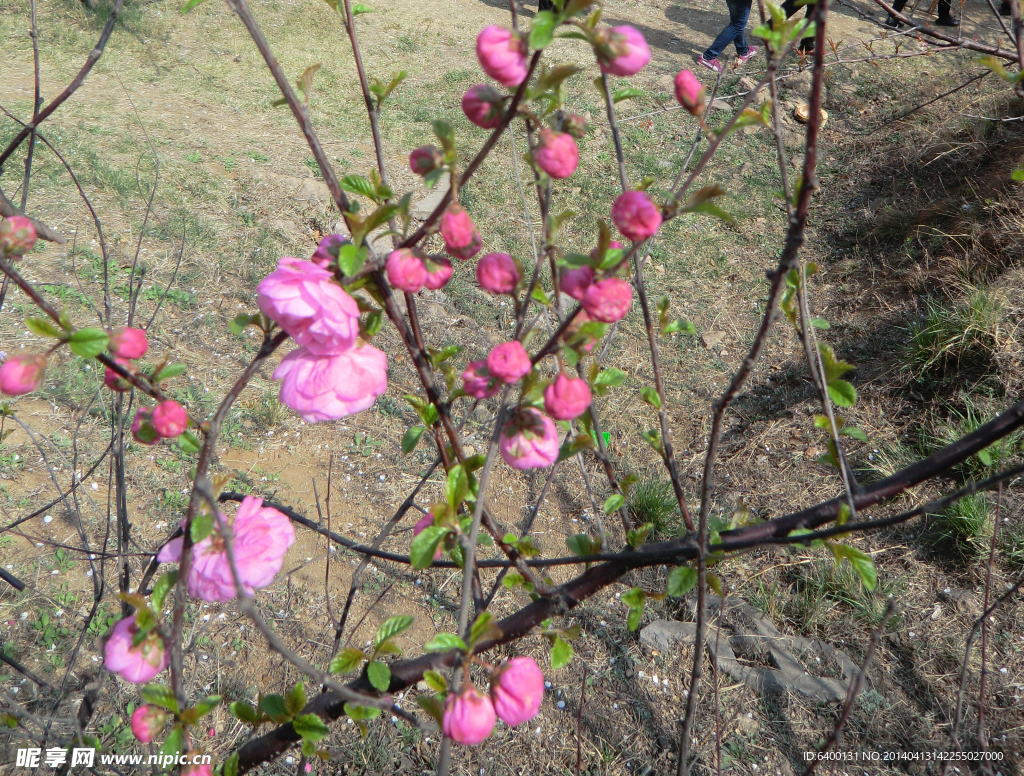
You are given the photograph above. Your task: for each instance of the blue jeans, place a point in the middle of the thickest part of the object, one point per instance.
(739, 12)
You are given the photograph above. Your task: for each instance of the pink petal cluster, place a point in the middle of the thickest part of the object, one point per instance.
(576, 281)
(608, 300)
(332, 386)
(567, 397)
(461, 238)
(422, 524)
(327, 250)
(136, 664)
(425, 159)
(22, 374)
(529, 440)
(635, 215)
(169, 419)
(556, 153)
(497, 273)
(509, 361)
(113, 380)
(502, 55)
(17, 236)
(482, 105)
(127, 342)
(147, 722)
(261, 537)
(315, 311)
(478, 382)
(690, 92)
(517, 689)
(408, 271)
(622, 51)
(468, 716)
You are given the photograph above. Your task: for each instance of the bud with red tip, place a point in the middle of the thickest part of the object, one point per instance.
(468, 716)
(439, 272)
(621, 51)
(690, 92)
(17, 236)
(127, 342)
(635, 215)
(608, 300)
(425, 159)
(567, 397)
(461, 238)
(147, 722)
(482, 105)
(517, 689)
(22, 374)
(556, 153)
(497, 273)
(502, 55)
(509, 361)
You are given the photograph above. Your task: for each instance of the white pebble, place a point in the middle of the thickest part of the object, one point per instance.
(48, 519)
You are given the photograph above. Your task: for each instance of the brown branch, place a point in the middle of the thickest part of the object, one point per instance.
(953, 39)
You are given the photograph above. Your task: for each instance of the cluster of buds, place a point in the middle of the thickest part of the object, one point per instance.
(517, 689)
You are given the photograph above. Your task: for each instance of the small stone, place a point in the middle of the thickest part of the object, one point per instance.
(712, 338)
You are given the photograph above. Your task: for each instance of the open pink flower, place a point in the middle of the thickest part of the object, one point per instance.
(169, 419)
(405, 270)
(113, 380)
(482, 105)
(567, 397)
(690, 92)
(622, 51)
(608, 300)
(17, 236)
(517, 689)
(136, 664)
(497, 273)
(147, 722)
(478, 382)
(439, 272)
(635, 215)
(332, 386)
(461, 238)
(425, 159)
(529, 440)
(142, 427)
(509, 361)
(22, 374)
(576, 281)
(468, 716)
(127, 342)
(261, 537)
(502, 55)
(313, 309)
(556, 153)
(422, 524)
(327, 250)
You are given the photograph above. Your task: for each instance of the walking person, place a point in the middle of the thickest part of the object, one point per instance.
(946, 18)
(739, 13)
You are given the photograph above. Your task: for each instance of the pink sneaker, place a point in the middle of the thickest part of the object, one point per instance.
(711, 64)
(752, 52)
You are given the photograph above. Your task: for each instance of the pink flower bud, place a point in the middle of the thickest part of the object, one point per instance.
(421, 525)
(509, 361)
(169, 419)
(461, 239)
(142, 427)
(22, 374)
(566, 398)
(196, 766)
(575, 125)
(478, 382)
(439, 272)
(405, 270)
(113, 380)
(327, 250)
(575, 282)
(468, 716)
(17, 236)
(690, 92)
(556, 153)
(608, 300)
(502, 55)
(635, 215)
(529, 440)
(425, 159)
(136, 664)
(497, 273)
(482, 105)
(621, 51)
(517, 689)
(147, 722)
(128, 343)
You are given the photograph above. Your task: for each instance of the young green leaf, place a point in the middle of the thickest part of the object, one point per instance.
(842, 393)
(393, 626)
(627, 94)
(483, 629)
(347, 660)
(42, 327)
(311, 727)
(424, 545)
(88, 343)
(861, 562)
(650, 395)
(443, 642)
(189, 443)
(456, 486)
(435, 681)
(613, 503)
(681, 580)
(243, 710)
(379, 675)
(561, 652)
(162, 587)
(542, 29)
(273, 706)
(295, 699)
(160, 695)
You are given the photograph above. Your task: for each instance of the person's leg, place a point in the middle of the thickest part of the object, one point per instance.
(945, 17)
(545, 5)
(892, 21)
(730, 33)
(739, 12)
(1004, 8)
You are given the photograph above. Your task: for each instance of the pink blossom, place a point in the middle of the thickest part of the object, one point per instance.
(127, 342)
(313, 309)
(622, 51)
(509, 361)
(576, 281)
(17, 236)
(439, 272)
(327, 250)
(567, 397)
(497, 273)
(468, 716)
(461, 238)
(529, 440)
(608, 300)
(517, 689)
(405, 270)
(142, 427)
(308, 767)
(196, 766)
(136, 664)
(22, 374)
(169, 419)
(690, 92)
(556, 153)
(113, 380)
(425, 159)
(478, 382)
(147, 722)
(482, 105)
(635, 215)
(502, 55)
(332, 386)
(261, 537)
(421, 525)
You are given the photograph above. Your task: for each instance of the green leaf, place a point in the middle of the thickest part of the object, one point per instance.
(650, 395)
(653, 438)
(425, 544)
(634, 597)
(714, 583)
(392, 627)
(542, 29)
(456, 486)
(169, 371)
(359, 713)
(42, 327)
(160, 695)
(636, 536)
(379, 675)
(484, 629)
(580, 544)
(189, 443)
(241, 322)
(610, 377)
(561, 652)
(635, 615)
(627, 94)
(88, 343)
(162, 587)
(613, 503)
(347, 660)
(820, 323)
(681, 580)
(273, 706)
(205, 706)
(351, 258)
(357, 184)
(411, 438)
(1018, 175)
(359, 8)
(853, 431)
(681, 326)
(202, 526)
(174, 742)
(243, 711)
(295, 699)
(443, 642)
(861, 562)
(842, 393)
(230, 766)
(433, 705)
(190, 5)
(435, 681)
(310, 727)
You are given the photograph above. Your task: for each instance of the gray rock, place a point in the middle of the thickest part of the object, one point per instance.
(712, 338)
(664, 635)
(422, 209)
